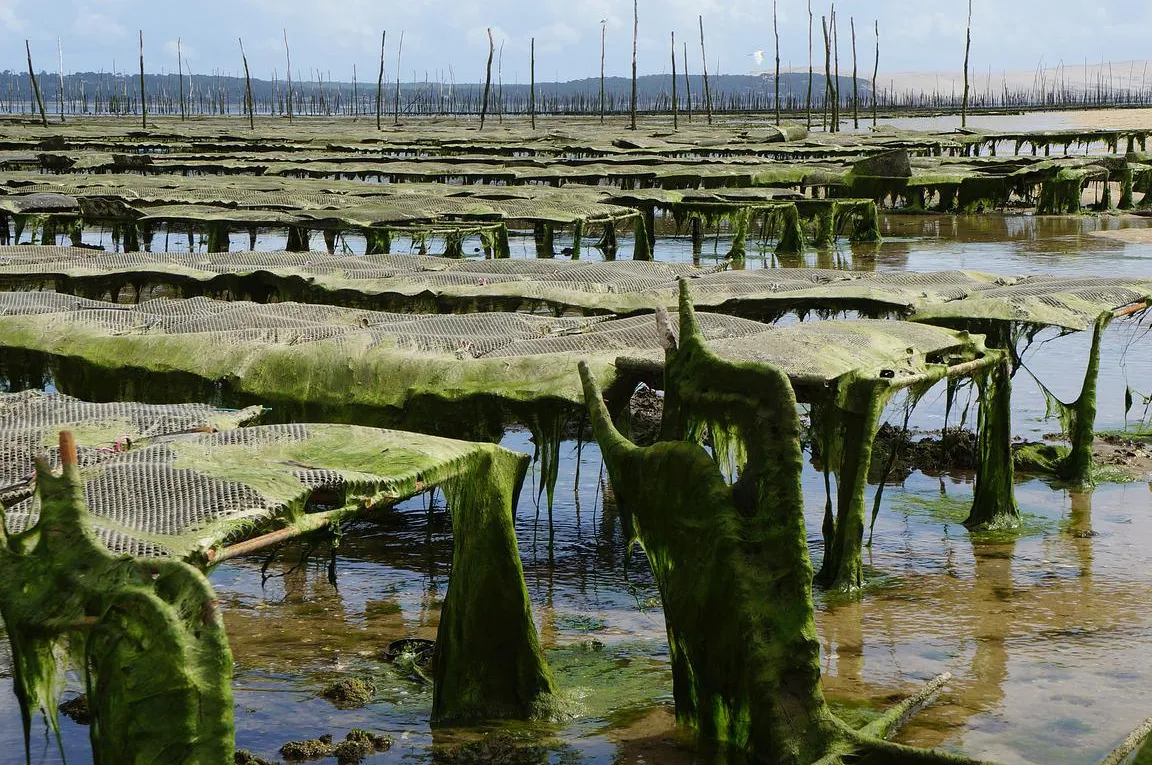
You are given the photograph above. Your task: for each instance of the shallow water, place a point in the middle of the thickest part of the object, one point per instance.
(1049, 635)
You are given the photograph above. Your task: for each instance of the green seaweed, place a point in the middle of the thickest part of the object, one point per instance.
(146, 635)
(994, 499)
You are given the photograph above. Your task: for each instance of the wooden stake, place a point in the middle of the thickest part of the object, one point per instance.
(687, 83)
(707, 87)
(35, 85)
(60, 61)
(967, 49)
(808, 100)
(248, 100)
(635, 41)
(532, 86)
(836, 73)
(603, 39)
(827, 72)
(396, 104)
(288, 54)
(180, 73)
(380, 81)
(776, 32)
(143, 99)
(875, 69)
(487, 78)
(675, 115)
(855, 91)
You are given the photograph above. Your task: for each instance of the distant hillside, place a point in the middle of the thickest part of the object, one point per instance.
(91, 92)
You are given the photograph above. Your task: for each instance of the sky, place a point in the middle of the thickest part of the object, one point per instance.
(450, 36)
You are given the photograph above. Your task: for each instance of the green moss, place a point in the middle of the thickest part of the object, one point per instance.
(309, 749)
(349, 693)
(994, 500)
(488, 661)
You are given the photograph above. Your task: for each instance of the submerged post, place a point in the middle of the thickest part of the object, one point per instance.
(993, 499)
(35, 85)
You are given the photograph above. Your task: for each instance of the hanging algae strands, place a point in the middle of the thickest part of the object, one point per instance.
(994, 500)
(145, 634)
(732, 565)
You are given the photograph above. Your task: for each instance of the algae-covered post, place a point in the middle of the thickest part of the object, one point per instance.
(379, 81)
(635, 42)
(776, 33)
(143, 95)
(249, 103)
(707, 86)
(967, 50)
(487, 78)
(35, 85)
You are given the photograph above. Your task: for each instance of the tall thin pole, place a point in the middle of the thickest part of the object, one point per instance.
(707, 87)
(603, 39)
(808, 99)
(675, 115)
(776, 32)
(687, 83)
(532, 86)
(855, 91)
(288, 54)
(143, 99)
(60, 62)
(396, 103)
(248, 100)
(380, 81)
(827, 73)
(967, 49)
(487, 78)
(180, 73)
(875, 69)
(635, 40)
(35, 85)
(836, 74)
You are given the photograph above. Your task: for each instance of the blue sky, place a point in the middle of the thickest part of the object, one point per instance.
(332, 35)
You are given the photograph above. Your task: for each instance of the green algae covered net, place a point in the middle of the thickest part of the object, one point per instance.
(186, 497)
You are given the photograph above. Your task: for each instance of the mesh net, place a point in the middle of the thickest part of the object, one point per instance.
(609, 287)
(180, 496)
(31, 420)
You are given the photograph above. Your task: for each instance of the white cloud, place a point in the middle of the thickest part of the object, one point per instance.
(8, 18)
(92, 25)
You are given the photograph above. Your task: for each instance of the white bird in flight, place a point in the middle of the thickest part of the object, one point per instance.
(758, 56)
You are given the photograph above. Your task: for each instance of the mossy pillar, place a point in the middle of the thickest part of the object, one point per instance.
(297, 239)
(994, 499)
(607, 241)
(146, 635)
(791, 241)
(1126, 202)
(545, 235)
(642, 250)
(739, 222)
(577, 238)
(866, 227)
(488, 662)
(218, 239)
(377, 241)
(732, 565)
(1079, 418)
(502, 247)
(696, 224)
(855, 407)
(826, 227)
